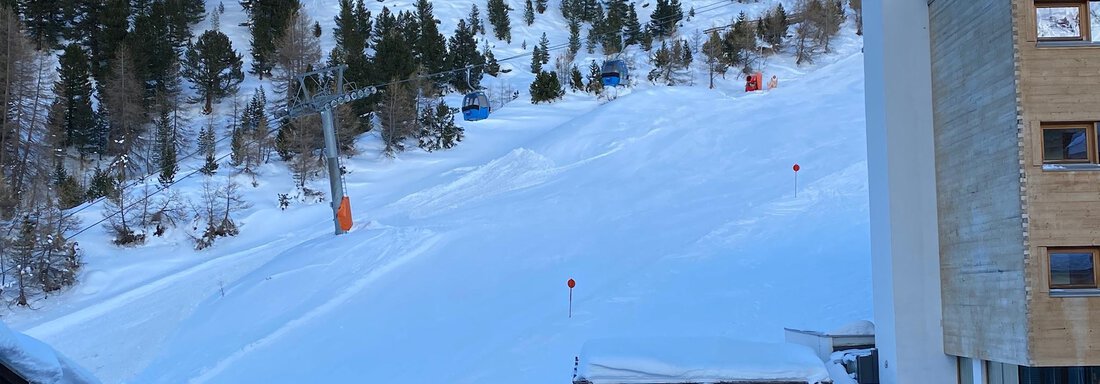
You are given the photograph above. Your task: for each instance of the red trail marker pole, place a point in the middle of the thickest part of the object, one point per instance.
(571, 284)
(796, 169)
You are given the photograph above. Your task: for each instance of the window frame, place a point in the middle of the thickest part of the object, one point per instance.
(1084, 21)
(1090, 141)
(1050, 251)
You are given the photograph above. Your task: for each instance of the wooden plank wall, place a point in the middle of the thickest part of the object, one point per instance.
(978, 180)
(1058, 84)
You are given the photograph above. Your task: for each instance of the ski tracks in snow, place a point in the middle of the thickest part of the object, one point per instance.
(827, 189)
(346, 294)
(142, 311)
(519, 169)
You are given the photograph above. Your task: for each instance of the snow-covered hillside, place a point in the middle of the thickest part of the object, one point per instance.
(673, 208)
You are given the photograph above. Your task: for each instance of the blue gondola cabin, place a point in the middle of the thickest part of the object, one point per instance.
(615, 73)
(475, 106)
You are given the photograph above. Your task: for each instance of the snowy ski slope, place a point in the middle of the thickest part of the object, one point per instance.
(672, 207)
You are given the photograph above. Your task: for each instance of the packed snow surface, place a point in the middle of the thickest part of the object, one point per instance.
(37, 362)
(696, 360)
(673, 208)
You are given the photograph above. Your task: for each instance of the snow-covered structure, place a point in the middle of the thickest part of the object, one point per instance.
(697, 360)
(36, 362)
(856, 335)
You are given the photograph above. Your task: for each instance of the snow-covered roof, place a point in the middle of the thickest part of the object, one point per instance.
(37, 362)
(697, 360)
(861, 328)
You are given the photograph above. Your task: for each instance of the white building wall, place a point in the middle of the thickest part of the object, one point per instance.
(901, 169)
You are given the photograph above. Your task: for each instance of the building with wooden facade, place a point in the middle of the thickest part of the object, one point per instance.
(983, 129)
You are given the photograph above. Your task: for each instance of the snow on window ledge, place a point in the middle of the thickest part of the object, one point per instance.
(1071, 167)
(1074, 292)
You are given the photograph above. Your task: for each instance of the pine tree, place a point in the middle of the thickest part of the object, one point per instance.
(462, 52)
(80, 20)
(109, 36)
(569, 10)
(595, 79)
(593, 37)
(781, 16)
(438, 129)
(166, 144)
(69, 192)
(141, 7)
(213, 67)
(352, 34)
(393, 58)
(498, 17)
(632, 28)
(408, 25)
(684, 57)
(474, 20)
(739, 43)
(666, 15)
(546, 87)
(182, 15)
(591, 10)
(713, 50)
(207, 142)
(541, 54)
(647, 39)
(491, 65)
(155, 54)
(122, 100)
(762, 25)
(776, 26)
(528, 12)
(544, 49)
(351, 43)
(238, 147)
(574, 38)
(576, 79)
(267, 20)
(430, 48)
(74, 94)
(662, 65)
(677, 10)
(617, 14)
(250, 142)
(536, 59)
(44, 21)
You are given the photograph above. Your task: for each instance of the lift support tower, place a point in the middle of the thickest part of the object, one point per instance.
(320, 92)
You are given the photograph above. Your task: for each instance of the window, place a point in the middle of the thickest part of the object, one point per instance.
(1073, 268)
(1059, 375)
(1067, 20)
(1068, 143)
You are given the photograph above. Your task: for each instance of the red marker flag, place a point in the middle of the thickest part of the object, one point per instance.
(571, 283)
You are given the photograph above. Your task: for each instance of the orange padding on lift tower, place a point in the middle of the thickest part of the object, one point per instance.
(343, 215)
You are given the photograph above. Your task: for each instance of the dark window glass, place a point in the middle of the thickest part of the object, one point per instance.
(1060, 375)
(1065, 144)
(1072, 269)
